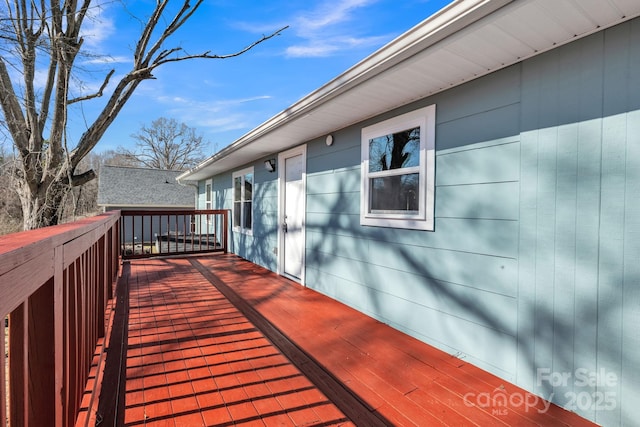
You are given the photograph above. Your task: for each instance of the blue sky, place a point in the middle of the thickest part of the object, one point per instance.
(224, 99)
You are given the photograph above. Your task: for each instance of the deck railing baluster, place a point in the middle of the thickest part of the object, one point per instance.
(168, 231)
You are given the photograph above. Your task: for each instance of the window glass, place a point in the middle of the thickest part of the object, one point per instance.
(237, 211)
(395, 151)
(247, 215)
(208, 192)
(395, 193)
(248, 186)
(237, 188)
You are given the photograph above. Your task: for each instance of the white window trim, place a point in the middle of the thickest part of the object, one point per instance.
(208, 195)
(242, 173)
(424, 219)
(208, 200)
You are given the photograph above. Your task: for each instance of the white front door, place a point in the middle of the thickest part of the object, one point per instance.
(292, 212)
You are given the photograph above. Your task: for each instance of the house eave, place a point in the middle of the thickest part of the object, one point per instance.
(441, 49)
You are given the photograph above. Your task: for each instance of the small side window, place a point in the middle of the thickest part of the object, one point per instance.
(208, 198)
(243, 200)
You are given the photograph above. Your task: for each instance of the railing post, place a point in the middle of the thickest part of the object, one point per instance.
(103, 262)
(41, 357)
(18, 368)
(3, 379)
(58, 332)
(226, 231)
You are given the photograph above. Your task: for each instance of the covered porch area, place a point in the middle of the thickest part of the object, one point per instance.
(216, 340)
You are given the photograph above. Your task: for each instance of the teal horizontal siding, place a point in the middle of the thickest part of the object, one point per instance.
(489, 125)
(335, 181)
(488, 273)
(495, 161)
(498, 201)
(481, 236)
(466, 302)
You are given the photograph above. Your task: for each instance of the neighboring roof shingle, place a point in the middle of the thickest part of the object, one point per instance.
(140, 187)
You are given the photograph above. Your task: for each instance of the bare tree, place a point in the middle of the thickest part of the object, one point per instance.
(166, 144)
(44, 39)
(82, 200)
(117, 158)
(10, 213)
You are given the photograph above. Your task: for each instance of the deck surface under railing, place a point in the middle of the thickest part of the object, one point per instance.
(218, 341)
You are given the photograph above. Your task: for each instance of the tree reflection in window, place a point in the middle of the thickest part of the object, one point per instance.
(394, 179)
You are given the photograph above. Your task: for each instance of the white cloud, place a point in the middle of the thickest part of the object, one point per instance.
(245, 100)
(97, 27)
(311, 50)
(325, 30)
(216, 115)
(109, 60)
(323, 48)
(329, 29)
(225, 123)
(329, 14)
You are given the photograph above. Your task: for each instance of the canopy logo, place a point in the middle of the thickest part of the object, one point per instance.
(500, 401)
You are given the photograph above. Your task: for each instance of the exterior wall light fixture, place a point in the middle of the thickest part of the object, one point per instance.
(270, 165)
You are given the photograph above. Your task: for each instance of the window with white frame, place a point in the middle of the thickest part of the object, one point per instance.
(207, 198)
(243, 200)
(398, 171)
(207, 194)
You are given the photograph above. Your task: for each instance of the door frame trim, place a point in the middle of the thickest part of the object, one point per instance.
(300, 150)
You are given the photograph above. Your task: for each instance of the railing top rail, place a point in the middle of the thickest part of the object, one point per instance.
(138, 212)
(19, 248)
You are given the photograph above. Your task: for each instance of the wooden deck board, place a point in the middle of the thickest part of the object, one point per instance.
(219, 341)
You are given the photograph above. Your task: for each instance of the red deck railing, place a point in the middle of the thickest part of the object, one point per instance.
(147, 233)
(56, 290)
(55, 284)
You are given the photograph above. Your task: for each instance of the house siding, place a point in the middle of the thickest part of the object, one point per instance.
(579, 185)
(534, 262)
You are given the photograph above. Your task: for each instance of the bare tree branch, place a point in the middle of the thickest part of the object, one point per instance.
(83, 178)
(98, 94)
(208, 55)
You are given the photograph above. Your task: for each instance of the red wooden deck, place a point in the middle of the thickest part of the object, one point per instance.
(218, 341)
